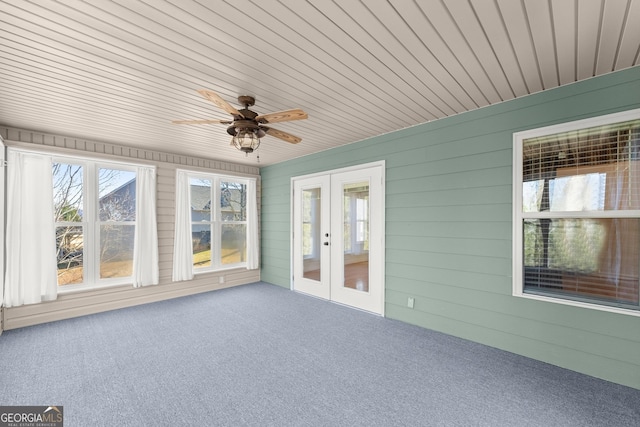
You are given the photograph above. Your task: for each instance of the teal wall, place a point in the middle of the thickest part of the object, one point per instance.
(448, 230)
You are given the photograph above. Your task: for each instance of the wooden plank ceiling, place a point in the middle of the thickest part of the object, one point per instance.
(119, 71)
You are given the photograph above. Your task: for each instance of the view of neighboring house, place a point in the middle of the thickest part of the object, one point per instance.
(119, 204)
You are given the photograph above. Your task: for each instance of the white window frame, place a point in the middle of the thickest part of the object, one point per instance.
(518, 215)
(91, 222)
(216, 221)
(364, 220)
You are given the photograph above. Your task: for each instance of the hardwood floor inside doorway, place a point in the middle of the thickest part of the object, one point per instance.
(356, 276)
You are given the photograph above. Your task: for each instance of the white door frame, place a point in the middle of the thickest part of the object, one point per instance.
(381, 268)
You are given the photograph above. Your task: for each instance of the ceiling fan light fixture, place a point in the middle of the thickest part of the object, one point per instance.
(246, 140)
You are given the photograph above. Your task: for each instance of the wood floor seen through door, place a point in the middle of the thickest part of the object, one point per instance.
(356, 276)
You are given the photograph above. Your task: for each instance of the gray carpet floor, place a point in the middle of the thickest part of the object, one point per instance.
(265, 356)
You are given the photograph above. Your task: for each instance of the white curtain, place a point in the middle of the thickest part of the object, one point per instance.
(31, 271)
(3, 202)
(182, 245)
(145, 247)
(253, 243)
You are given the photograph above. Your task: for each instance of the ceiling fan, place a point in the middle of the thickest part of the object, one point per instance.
(247, 127)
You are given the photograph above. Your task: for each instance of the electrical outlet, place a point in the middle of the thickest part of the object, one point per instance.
(221, 279)
(410, 302)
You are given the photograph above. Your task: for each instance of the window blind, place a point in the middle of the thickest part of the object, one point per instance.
(572, 255)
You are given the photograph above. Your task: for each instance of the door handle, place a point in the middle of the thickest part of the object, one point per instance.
(326, 243)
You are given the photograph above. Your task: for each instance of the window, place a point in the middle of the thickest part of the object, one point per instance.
(577, 212)
(362, 220)
(218, 221)
(311, 208)
(356, 218)
(95, 219)
(75, 223)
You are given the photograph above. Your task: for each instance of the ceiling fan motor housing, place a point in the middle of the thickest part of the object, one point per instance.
(247, 119)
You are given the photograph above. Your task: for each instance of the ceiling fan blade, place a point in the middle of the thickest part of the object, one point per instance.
(215, 98)
(201, 122)
(282, 116)
(282, 135)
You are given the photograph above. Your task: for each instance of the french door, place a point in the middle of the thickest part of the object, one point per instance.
(338, 236)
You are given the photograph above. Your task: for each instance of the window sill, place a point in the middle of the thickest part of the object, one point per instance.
(591, 306)
(89, 288)
(219, 270)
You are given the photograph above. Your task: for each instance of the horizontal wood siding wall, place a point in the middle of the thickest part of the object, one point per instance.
(88, 302)
(448, 230)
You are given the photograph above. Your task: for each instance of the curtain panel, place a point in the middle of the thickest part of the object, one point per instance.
(31, 271)
(182, 246)
(253, 243)
(145, 247)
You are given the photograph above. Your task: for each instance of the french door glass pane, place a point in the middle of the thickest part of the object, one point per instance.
(355, 216)
(311, 233)
(69, 247)
(116, 250)
(233, 243)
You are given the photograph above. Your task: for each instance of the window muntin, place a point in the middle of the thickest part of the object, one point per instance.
(577, 213)
(219, 230)
(95, 211)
